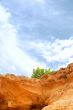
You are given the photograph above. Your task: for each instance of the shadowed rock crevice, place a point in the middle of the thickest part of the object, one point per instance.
(37, 107)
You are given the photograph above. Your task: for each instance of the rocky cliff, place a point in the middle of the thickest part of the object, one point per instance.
(50, 92)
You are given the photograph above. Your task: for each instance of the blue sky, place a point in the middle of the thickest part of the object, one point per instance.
(35, 33)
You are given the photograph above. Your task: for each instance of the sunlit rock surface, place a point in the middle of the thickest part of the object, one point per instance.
(50, 92)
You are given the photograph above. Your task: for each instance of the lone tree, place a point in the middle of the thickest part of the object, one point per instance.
(38, 72)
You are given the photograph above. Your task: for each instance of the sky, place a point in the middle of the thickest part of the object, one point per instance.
(35, 33)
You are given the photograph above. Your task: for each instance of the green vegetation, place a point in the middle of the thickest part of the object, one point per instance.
(38, 72)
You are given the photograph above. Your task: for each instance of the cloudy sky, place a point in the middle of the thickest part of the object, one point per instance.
(35, 33)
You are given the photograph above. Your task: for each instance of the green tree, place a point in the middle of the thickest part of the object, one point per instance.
(38, 72)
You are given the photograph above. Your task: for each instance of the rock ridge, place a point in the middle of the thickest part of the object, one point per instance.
(50, 92)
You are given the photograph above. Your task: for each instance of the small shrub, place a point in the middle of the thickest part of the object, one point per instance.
(38, 72)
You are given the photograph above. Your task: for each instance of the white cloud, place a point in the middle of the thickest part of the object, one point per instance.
(56, 51)
(4, 15)
(11, 56)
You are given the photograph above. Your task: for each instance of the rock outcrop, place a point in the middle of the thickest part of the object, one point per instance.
(50, 92)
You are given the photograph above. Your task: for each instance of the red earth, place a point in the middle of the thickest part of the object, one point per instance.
(50, 92)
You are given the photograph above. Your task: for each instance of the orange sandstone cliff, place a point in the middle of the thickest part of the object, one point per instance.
(50, 92)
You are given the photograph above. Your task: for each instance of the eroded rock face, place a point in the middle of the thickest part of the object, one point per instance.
(60, 105)
(20, 93)
(50, 92)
